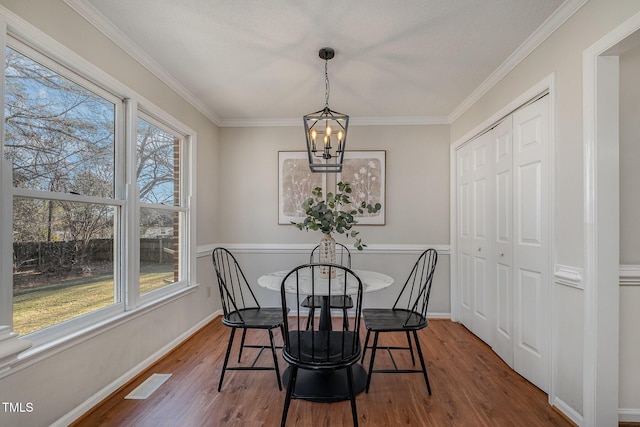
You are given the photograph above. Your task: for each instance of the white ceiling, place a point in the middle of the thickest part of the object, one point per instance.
(256, 61)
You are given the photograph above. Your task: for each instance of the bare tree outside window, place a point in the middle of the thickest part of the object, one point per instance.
(158, 178)
(60, 140)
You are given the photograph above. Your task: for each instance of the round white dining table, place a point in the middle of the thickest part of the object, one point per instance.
(326, 386)
(371, 281)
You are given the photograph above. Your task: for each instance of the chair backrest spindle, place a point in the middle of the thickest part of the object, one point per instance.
(417, 288)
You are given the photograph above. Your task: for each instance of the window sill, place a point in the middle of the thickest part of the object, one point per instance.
(43, 351)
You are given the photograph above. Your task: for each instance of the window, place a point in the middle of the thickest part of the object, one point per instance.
(72, 207)
(162, 205)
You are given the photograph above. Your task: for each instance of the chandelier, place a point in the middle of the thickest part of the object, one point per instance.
(326, 130)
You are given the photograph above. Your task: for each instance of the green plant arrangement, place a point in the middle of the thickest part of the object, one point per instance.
(335, 213)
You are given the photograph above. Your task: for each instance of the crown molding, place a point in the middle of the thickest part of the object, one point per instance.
(548, 27)
(91, 14)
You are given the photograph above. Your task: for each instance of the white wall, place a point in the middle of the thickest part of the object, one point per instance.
(561, 55)
(417, 203)
(417, 190)
(66, 381)
(629, 396)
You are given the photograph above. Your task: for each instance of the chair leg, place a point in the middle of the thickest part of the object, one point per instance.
(413, 359)
(226, 357)
(275, 359)
(373, 357)
(312, 312)
(424, 368)
(244, 334)
(287, 401)
(352, 394)
(366, 343)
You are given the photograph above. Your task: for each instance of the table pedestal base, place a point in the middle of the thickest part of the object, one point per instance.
(326, 386)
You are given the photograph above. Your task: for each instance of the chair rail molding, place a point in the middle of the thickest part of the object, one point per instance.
(303, 248)
(630, 275)
(568, 276)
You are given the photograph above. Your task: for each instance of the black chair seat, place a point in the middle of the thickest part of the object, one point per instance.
(254, 318)
(335, 301)
(317, 349)
(390, 320)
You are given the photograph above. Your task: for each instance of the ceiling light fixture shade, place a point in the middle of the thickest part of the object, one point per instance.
(326, 130)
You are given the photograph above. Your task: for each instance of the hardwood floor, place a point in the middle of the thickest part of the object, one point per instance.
(471, 387)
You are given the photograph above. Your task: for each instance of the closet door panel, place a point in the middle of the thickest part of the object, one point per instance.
(531, 241)
(465, 237)
(503, 240)
(482, 253)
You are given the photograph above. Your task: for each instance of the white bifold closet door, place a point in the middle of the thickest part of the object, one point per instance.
(503, 248)
(475, 225)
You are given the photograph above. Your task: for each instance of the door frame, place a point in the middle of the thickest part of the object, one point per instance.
(600, 70)
(548, 84)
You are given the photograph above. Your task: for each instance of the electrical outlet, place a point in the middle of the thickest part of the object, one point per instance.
(208, 291)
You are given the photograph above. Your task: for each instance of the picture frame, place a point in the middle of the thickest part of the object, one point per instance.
(295, 184)
(366, 171)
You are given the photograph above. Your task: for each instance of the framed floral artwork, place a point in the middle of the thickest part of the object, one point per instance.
(295, 184)
(365, 170)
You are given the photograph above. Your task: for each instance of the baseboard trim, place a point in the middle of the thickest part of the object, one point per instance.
(629, 415)
(566, 410)
(86, 406)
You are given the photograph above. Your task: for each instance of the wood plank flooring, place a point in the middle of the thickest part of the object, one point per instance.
(471, 387)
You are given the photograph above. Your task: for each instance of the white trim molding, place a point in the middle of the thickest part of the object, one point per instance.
(568, 276)
(568, 411)
(600, 119)
(630, 275)
(629, 415)
(10, 347)
(298, 248)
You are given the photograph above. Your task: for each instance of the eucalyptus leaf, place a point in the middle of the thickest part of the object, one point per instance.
(331, 214)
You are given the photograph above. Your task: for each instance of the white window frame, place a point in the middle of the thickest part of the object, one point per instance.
(126, 237)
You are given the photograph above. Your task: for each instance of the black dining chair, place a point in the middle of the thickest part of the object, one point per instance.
(343, 257)
(241, 310)
(321, 350)
(408, 315)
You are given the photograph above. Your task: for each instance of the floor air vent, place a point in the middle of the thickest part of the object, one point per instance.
(147, 388)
